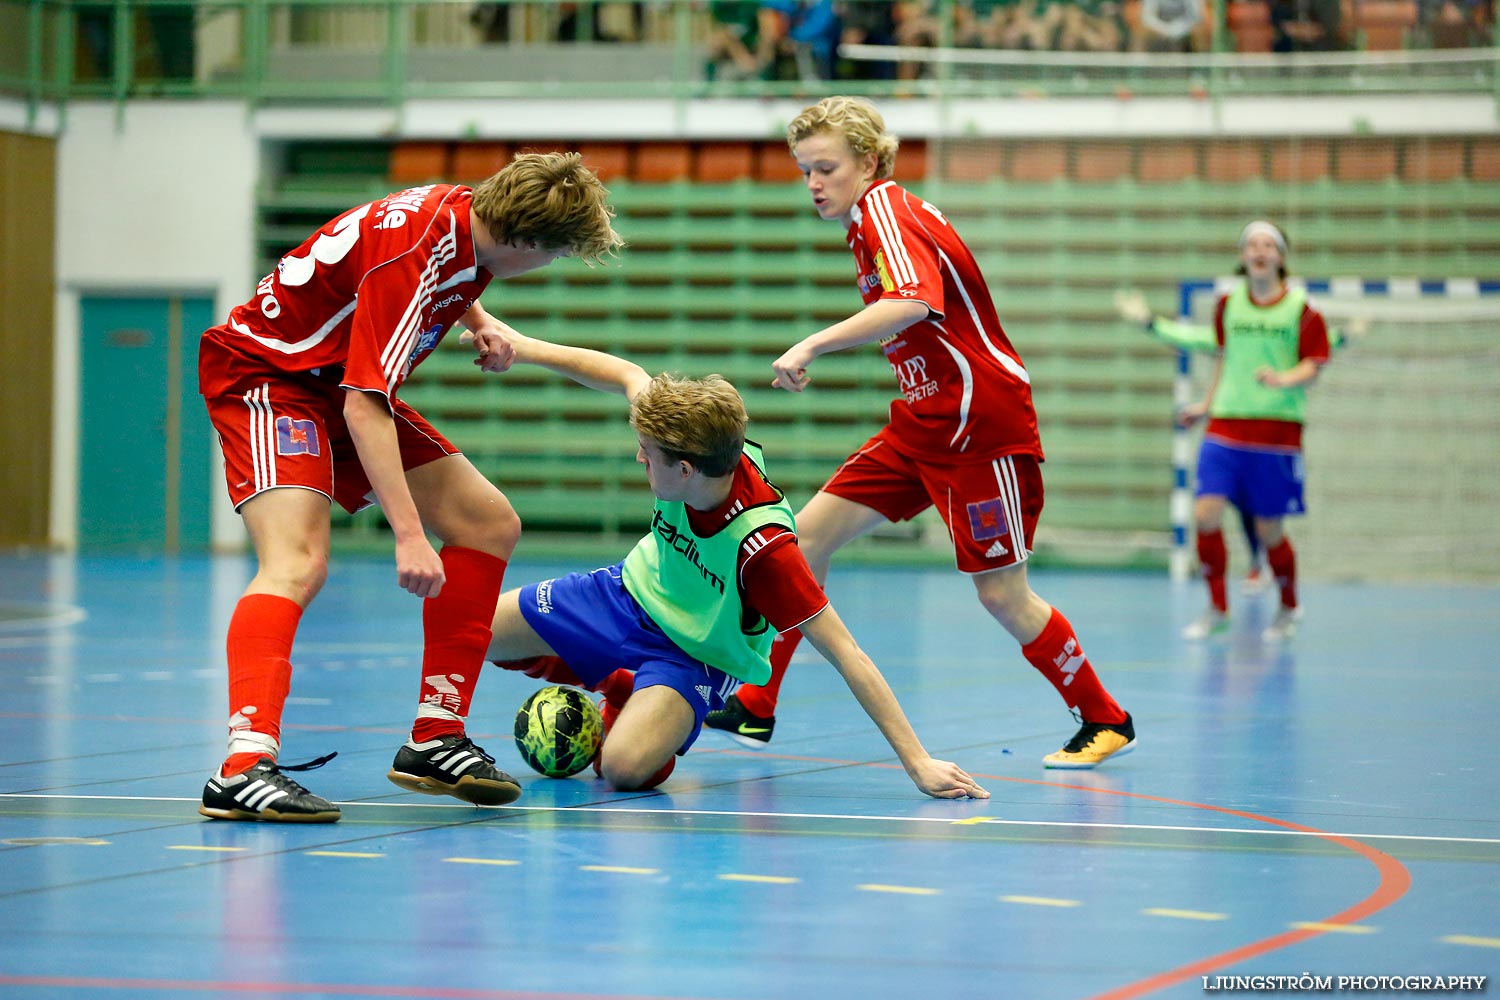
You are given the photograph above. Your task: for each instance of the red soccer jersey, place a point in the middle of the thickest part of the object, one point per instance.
(374, 290)
(774, 578)
(966, 394)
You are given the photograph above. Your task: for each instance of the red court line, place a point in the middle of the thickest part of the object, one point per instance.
(1395, 880)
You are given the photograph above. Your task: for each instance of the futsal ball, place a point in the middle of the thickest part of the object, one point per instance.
(558, 731)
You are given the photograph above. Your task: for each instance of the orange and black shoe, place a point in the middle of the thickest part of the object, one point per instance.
(1093, 744)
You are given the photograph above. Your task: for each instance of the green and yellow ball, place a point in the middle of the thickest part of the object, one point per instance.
(558, 731)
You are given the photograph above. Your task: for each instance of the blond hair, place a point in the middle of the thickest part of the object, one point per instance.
(551, 201)
(698, 420)
(857, 121)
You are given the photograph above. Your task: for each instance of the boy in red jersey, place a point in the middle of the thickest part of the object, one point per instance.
(693, 609)
(963, 437)
(301, 385)
(1272, 345)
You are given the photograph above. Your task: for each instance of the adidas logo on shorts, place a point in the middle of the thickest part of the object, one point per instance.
(996, 551)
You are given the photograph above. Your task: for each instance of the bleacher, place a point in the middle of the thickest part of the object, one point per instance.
(727, 266)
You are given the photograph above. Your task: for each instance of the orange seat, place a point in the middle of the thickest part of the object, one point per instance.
(1233, 161)
(1383, 24)
(610, 160)
(419, 162)
(1432, 160)
(1024, 161)
(1300, 160)
(1167, 163)
(1484, 159)
(474, 161)
(911, 162)
(719, 162)
(1365, 160)
(658, 162)
(773, 163)
(1102, 161)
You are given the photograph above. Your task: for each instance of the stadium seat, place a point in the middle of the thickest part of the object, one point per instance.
(474, 161)
(1167, 162)
(1432, 159)
(1383, 24)
(774, 163)
(658, 162)
(610, 160)
(1232, 161)
(1041, 161)
(1298, 161)
(1484, 159)
(718, 162)
(1102, 161)
(419, 162)
(1365, 160)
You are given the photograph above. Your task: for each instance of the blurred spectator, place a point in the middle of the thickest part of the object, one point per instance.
(600, 22)
(866, 22)
(492, 21)
(1172, 26)
(165, 41)
(1091, 26)
(1457, 24)
(1305, 25)
(735, 48)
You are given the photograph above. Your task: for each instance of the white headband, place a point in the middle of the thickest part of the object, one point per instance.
(1261, 227)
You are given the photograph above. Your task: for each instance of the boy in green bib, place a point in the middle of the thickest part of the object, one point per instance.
(692, 612)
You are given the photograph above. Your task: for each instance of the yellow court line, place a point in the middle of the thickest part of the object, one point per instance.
(620, 869)
(1161, 911)
(1040, 901)
(481, 861)
(1313, 925)
(1478, 942)
(908, 890)
(773, 879)
(202, 847)
(972, 820)
(345, 854)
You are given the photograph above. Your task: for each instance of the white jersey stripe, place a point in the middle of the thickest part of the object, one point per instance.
(968, 376)
(262, 437)
(393, 358)
(1007, 362)
(897, 259)
(1010, 494)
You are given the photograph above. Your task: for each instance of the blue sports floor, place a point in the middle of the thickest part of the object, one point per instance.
(1328, 808)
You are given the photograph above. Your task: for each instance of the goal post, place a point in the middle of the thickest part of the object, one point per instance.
(1402, 445)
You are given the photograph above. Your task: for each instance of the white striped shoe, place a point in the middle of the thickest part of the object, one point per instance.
(265, 793)
(453, 765)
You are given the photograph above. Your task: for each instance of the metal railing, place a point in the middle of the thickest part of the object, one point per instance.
(391, 51)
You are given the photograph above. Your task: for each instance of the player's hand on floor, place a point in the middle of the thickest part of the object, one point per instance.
(943, 779)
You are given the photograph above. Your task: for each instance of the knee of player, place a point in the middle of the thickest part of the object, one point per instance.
(626, 769)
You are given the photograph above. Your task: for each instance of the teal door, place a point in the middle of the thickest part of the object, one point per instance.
(145, 440)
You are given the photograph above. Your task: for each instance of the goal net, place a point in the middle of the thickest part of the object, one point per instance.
(1402, 444)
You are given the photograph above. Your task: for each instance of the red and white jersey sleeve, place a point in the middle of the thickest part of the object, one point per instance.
(966, 396)
(373, 291)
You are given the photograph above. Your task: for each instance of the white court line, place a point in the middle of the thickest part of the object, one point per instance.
(776, 815)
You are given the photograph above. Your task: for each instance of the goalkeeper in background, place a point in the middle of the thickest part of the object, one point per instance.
(1272, 344)
(1202, 337)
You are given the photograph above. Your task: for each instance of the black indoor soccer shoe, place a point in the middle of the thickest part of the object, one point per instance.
(453, 765)
(265, 793)
(735, 721)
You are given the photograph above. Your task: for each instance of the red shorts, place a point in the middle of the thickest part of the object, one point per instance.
(991, 508)
(280, 429)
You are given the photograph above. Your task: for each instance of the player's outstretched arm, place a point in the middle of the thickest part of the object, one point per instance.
(939, 778)
(1132, 307)
(594, 369)
(880, 319)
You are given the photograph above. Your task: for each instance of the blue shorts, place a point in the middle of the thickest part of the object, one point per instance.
(1260, 483)
(593, 623)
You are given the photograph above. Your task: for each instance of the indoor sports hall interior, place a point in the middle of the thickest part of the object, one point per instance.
(1313, 812)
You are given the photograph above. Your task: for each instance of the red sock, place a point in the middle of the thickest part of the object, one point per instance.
(1283, 562)
(1214, 558)
(761, 699)
(456, 633)
(616, 688)
(1057, 654)
(261, 631)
